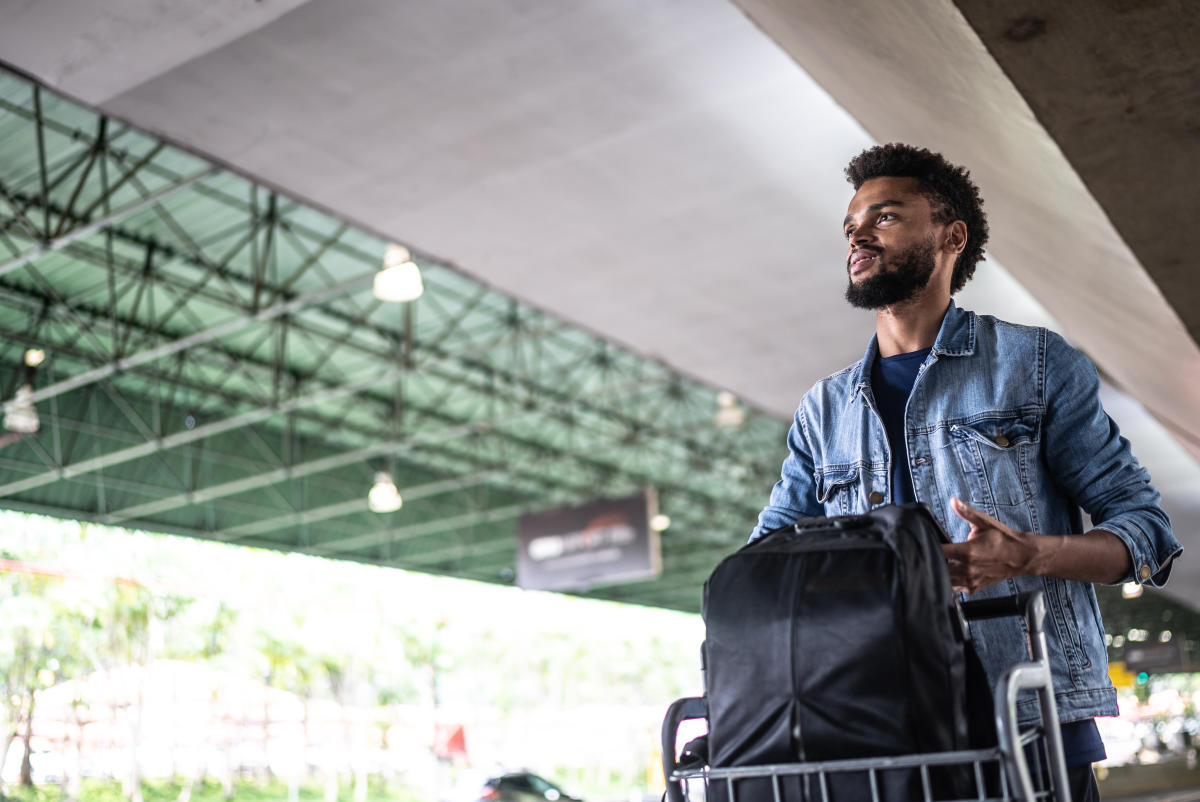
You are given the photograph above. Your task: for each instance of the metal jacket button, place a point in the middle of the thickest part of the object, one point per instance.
(1143, 572)
(876, 497)
(1002, 441)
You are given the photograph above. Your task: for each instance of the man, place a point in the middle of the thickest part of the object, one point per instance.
(997, 427)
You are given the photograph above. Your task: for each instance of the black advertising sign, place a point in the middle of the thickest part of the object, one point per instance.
(603, 542)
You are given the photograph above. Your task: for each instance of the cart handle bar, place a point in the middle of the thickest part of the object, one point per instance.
(1020, 604)
(680, 710)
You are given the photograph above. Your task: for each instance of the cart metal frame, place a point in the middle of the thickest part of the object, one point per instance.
(1017, 781)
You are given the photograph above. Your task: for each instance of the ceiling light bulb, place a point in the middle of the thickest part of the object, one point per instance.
(660, 522)
(35, 357)
(1131, 590)
(20, 415)
(729, 414)
(399, 282)
(384, 497)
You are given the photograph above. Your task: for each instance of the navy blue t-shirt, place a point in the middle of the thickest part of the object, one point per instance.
(892, 380)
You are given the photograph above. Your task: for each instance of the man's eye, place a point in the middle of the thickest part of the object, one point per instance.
(886, 216)
(849, 231)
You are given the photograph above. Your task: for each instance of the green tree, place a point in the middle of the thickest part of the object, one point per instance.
(287, 664)
(132, 621)
(37, 650)
(204, 633)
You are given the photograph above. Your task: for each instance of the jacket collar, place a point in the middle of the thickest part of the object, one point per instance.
(956, 337)
(957, 334)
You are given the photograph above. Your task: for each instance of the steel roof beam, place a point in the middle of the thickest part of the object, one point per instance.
(57, 243)
(19, 216)
(323, 465)
(238, 486)
(125, 486)
(199, 338)
(405, 534)
(198, 433)
(352, 506)
(473, 550)
(174, 381)
(300, 470)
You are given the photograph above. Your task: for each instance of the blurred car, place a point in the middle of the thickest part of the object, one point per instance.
(523, 786)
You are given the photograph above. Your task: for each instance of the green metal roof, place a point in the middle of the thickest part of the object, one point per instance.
(218, 367)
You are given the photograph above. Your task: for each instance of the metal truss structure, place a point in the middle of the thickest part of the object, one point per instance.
(218, 367)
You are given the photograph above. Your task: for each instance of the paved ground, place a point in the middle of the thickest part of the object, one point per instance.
(1169, 781)
(1177, 795)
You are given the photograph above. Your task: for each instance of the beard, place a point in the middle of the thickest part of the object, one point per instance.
(908, 274)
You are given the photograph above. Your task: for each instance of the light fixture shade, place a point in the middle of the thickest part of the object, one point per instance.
(729, 414)
(384, 497)
(400, 278)
(20, 415)
(35, 357)
(1131, 590)
(660, 522)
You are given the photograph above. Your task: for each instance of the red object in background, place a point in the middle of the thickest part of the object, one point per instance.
(22, 567)
(450, 742)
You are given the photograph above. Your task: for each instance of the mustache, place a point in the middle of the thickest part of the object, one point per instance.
(870, 248)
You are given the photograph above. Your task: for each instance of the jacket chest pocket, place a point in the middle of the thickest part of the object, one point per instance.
(996, 454)
(839, 489)
(851, 490)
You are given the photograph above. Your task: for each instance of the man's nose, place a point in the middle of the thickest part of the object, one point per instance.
(862, 233)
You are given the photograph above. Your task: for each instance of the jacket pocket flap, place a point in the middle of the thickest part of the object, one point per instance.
(1000, 432)
(830, 480)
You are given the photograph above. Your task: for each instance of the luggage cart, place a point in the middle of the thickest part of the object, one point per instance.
(1008, 765)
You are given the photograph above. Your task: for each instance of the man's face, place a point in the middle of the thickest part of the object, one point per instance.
(890, 254)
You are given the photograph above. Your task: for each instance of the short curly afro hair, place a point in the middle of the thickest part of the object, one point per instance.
(950, 190)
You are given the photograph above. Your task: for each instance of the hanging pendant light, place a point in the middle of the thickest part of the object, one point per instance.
(20, 415)
(400, 278)
(729, 413)
(384, 497)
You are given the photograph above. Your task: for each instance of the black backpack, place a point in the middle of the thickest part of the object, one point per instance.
(838, 638)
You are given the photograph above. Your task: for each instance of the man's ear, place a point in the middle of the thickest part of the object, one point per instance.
(956, 237)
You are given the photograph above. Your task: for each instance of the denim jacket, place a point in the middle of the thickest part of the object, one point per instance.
(1007, 418)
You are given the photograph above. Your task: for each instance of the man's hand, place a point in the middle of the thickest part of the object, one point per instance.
(991, 553)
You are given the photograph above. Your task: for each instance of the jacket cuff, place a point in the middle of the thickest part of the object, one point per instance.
(1148, 566)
